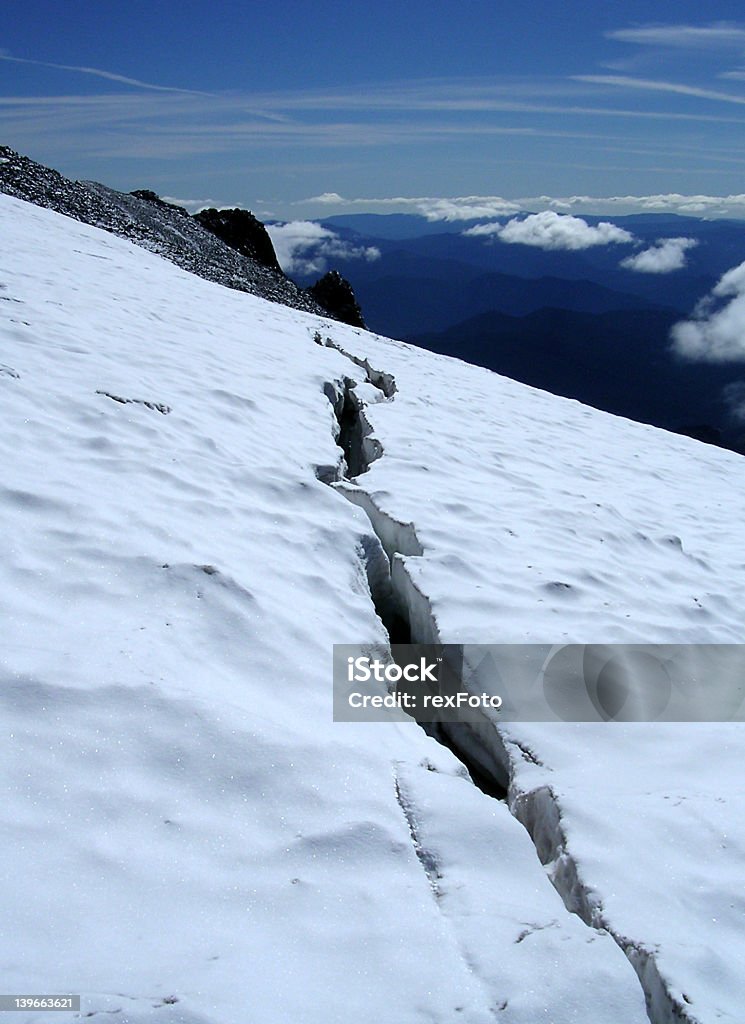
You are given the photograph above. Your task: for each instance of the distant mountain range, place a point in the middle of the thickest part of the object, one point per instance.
(575, 323)
(616, 360)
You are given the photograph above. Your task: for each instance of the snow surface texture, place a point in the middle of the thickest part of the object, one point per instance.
(160, 227)
(188, 837)
(510, 514)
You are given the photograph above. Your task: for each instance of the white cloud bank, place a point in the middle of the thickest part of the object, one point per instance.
(196, 205)
(665, 256)
(669, 202)
(455, 208)
(716, 331)
(466, 208)
(303, 247)
(551, 230)
(430, 207)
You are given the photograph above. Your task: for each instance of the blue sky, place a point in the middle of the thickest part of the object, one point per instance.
(268, 105)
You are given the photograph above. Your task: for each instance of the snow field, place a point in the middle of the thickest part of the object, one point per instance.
(540, 520)
(187, 834)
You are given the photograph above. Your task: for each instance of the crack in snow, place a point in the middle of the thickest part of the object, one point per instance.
(386, 382)
(529, 755)
(155, 406)
(425, 857)
(431, 868)
(409, 618)
(531, 928)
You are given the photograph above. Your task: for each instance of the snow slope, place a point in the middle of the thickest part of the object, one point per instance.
(187, 834)
(544, 521)
(158, 226)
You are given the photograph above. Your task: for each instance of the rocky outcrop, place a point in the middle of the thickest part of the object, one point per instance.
(336, 295)
(152, 197)
(151, 222)
(241, 231)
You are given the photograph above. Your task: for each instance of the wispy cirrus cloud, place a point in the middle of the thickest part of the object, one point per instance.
(477, 97)
(654, 85)
(534, 120)
(111, 76)
(658, 42)
(171, 125)
(719, 35)
(562, 97)
(148, 121)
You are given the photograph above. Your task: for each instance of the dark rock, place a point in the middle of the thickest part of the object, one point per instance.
(152, 197)
(151, 223)
(337, 297)
(241, 231)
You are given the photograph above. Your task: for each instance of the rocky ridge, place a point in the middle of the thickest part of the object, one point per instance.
(240, 230)
(148, 221)
(336, 295)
